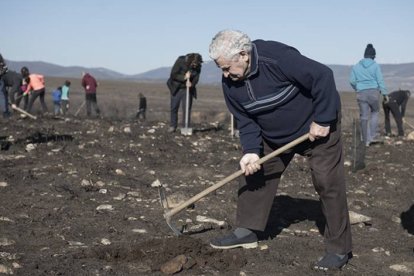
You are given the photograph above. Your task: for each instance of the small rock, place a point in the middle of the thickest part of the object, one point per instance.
(86, 183)
(211, 220)
(151, 130)
(134, 194)
(107, 207)
(378, 249)
(105, 241)
(119, 172)
(111, 129)
(100, 183)
(396, 219)
(347, 163)
(156, 183)
(120, 197)
(5, 270)
(75, 243)
(264, 247)
(174, 265)
(355, 218)
(6, 219)
(3, 184)
(404, 268)
(30, 147)
(127, 129)
(410, 136)
(141, 231)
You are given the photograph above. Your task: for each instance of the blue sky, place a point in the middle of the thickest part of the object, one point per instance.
(133, 36)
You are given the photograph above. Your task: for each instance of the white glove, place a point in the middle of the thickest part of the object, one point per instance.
(248, 163)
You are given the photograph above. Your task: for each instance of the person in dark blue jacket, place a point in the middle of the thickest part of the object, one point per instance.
(277, 95)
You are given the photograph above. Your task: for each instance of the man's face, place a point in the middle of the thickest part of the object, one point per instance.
(237, 68)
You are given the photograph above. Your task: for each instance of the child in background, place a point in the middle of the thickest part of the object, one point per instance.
(142, 107)
(65, 97)
(57, 97)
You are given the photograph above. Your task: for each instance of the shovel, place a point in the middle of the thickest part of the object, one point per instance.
(24, 112)
(186, 130)
(79, 109)
(171, 212)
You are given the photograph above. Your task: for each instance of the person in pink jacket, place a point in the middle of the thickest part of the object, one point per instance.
(35, 88)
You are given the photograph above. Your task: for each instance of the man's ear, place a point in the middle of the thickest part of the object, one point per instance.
(244, 56)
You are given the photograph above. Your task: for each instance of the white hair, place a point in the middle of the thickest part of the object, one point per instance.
(228, 43)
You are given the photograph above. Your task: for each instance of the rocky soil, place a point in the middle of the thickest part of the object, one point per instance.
(79, 196)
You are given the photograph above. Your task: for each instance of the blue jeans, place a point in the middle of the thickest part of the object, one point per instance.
(368, 102)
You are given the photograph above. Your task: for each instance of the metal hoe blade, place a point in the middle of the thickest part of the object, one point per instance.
(164, 204)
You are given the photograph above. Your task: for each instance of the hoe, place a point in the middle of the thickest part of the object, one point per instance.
(169, 213)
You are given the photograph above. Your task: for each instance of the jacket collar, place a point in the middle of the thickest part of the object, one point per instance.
(254, 61)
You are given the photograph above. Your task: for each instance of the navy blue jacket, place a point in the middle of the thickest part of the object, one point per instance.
(281, 96)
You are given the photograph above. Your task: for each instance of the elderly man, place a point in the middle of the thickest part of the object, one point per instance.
(277, 95)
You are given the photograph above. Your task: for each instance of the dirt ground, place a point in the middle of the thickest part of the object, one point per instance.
(78, 196)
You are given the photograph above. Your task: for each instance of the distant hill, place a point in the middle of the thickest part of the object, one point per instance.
(395, 75)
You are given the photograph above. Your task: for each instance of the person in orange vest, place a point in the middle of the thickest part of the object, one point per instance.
(36, 83)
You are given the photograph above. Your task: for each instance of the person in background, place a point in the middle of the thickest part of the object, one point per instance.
(4, 106)
(90, 85)
(366, 79)
(186, 68)
(395, 102)
(35, 87)
(142, 107)
(65, 97)
(278, 95)
(57, 98)
(14, 81)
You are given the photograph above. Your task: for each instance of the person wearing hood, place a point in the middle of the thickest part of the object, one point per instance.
(366, 79)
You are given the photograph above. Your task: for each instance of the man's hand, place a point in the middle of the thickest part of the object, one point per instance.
(187, 75)
(316, 131)
(13, 106)
(248, 163)
(26, 93)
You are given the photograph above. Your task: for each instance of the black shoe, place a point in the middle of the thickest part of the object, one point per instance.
(331, 261)
(232, 241)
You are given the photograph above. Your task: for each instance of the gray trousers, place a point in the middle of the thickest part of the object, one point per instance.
(368, 102)
(180, 97)
(257, 192)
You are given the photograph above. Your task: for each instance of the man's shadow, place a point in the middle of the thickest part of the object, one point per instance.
(287, 210)
(407, 220)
